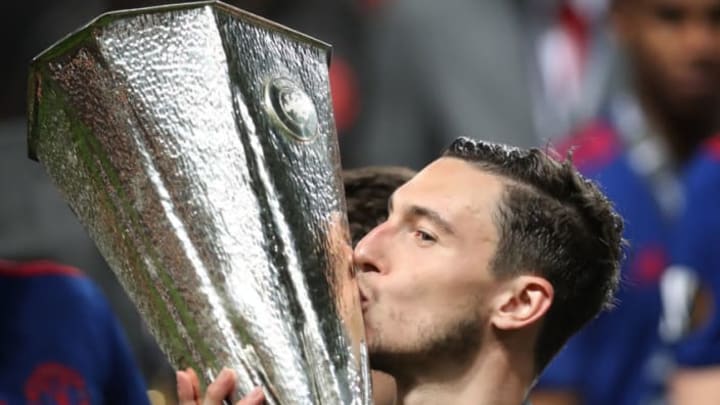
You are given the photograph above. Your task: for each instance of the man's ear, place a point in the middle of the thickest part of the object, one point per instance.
(523, 301)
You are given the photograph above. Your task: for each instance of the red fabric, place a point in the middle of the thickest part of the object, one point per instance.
(577, 28)
(36, 268)
(345, 94)
(649, 264)
(713, 146)
(58, 383)
(596, 144)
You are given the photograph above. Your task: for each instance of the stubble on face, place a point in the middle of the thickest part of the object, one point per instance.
(426, 342)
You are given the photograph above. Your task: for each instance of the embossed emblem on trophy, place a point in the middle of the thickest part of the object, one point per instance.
(196, 144)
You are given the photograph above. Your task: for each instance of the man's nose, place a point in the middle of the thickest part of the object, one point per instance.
(369, 254)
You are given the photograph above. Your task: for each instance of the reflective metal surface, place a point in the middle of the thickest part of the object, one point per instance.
(196, 144)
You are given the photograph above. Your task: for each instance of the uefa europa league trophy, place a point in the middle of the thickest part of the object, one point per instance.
(196, 144)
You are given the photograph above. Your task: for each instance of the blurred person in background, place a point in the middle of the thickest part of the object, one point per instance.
(519, 72)
(638, 151)
(692, 325)
(59, 341)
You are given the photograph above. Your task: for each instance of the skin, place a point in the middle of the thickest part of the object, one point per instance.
(697, 386)
(436, 317)
(189, 393)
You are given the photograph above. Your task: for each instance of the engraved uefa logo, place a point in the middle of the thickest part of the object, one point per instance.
(291, 108)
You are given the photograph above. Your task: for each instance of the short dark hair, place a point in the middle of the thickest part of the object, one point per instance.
(367, 190)
(554, 223)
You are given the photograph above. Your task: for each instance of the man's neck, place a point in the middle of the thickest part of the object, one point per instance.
(496, 377)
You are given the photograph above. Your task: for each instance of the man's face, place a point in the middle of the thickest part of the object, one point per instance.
(424, 274)
(675, 48)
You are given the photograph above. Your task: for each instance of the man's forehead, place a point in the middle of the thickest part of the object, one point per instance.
(456, 172)
(452, 182)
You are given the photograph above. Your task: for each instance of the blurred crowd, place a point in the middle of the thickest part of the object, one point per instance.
(630, 89)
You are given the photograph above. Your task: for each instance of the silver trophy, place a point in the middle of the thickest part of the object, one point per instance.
(196, 144)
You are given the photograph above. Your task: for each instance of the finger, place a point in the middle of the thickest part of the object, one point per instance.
(221, 388)
(255, 397)
(195, 383)
(185, 392)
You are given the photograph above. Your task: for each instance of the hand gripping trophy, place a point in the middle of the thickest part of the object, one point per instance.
(196, 144)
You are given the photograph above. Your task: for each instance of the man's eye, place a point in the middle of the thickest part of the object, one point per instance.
(669, 14)
(424, 236)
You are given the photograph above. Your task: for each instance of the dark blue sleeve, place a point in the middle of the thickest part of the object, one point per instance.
(124, 383)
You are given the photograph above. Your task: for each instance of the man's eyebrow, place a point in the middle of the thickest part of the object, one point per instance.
(432, 216)
(424, 212)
